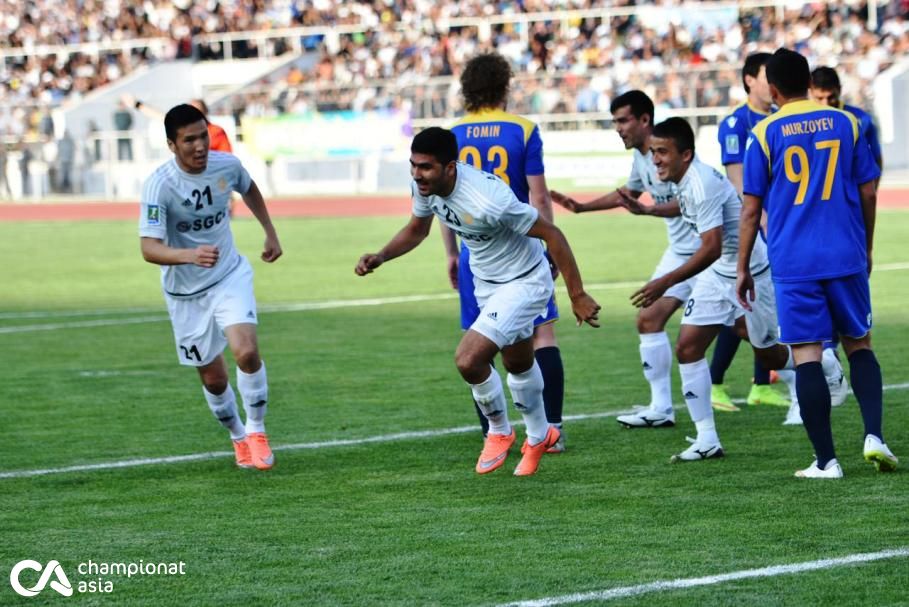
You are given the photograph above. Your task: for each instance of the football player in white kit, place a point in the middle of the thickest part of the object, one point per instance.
(710, 204)
(208, 286)
(512, 281)
(632, 114)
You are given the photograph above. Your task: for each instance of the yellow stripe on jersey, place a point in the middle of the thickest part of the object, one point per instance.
(809, 126)
(754, 109)
(496, 116)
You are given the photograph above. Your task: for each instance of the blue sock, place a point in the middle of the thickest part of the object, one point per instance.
(761, 375)
(814, 401)
(867, 384)
(550, 361)
(727, 343)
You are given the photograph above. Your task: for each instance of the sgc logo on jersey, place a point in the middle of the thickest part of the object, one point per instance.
(61, 584)
(203, 223)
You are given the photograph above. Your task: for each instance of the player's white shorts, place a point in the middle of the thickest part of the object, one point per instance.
(669, 262)
(713, 302)
(199, 322)
(507, 311)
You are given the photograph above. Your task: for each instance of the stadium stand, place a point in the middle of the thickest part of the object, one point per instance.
(570, 58)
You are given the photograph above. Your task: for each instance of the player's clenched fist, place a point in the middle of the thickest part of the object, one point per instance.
(206, 255)
(368, 263)
(585, 309)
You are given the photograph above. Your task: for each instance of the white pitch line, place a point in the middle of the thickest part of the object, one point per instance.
(742, 401)
(275, 308)
(267, 308)
(382, 438)
(664, 585)
(198, 457)
(325, 305)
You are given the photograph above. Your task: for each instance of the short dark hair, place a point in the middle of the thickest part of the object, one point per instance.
(639, 102)
(788, 72)
(179, 116)
(484, 81)
(753, 64)
(825, 78)
(678, 130)
(438, 142)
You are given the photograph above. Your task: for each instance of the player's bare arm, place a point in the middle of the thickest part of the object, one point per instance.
(585, 308)
(749, 224)
(868, 195)
(629, 200)
(449, 242)
(735, 173)
(256, 204)
(541, 200)
(612, 200)
(155, 251)
(710, 250)
(411, 235)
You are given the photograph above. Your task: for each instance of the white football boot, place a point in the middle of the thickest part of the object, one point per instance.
(698, 451)
(879, 454)
(833, 470)
(647, 418)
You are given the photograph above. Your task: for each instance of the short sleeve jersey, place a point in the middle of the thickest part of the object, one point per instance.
(491, 222)
(186, 210)
(708, 200)
(734, 130)
(868, 130)
(643, 178)
(805, 163)
(506, 145)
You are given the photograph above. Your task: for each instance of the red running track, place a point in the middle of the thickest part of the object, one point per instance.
(328, 206)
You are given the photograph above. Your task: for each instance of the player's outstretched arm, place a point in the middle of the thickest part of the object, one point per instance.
(411, 235)
(629, 200)
(612, 200)
(155, 251)
(585, 308)
(256, 204)
(749, 225)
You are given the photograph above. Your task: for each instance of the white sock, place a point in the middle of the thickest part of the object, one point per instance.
(224, 407)
(490, 398)
(253, 389)
(696, 389)
(527, 394)
(829, 363)
(787, 376)
(656, 358)
(790, 362)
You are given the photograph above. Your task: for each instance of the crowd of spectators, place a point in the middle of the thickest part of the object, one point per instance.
(579, 65)
(410, 52)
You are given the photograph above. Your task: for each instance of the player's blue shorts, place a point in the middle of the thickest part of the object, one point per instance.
(817, 310)
(470, 310)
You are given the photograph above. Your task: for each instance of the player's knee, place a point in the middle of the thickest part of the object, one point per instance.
(688, 351)
(851, 344)
(248, 359)
(215, 384)
(470, 364)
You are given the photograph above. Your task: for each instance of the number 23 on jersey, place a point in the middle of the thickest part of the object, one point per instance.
(496, 156)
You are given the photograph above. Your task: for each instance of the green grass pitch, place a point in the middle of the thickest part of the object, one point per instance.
(89, 376)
